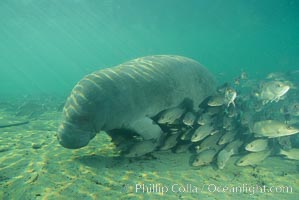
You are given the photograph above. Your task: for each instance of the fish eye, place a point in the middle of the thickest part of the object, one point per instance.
(196, 160)
(241, 161)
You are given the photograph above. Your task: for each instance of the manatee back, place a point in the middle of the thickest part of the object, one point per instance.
(143, 86)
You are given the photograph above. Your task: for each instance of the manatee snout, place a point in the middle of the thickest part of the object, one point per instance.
(71, 137)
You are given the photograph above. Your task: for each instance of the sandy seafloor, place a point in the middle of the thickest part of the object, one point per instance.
(34, 166)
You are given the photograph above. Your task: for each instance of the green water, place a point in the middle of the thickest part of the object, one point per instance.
(46, 46)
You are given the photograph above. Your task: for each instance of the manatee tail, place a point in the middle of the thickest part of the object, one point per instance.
(14, 124)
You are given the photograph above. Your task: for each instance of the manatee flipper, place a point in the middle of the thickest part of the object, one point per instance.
(141, 148)
(146, 128)
(123, 139)
(151, 134)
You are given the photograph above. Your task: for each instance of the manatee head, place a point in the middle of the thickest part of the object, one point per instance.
(72, 136)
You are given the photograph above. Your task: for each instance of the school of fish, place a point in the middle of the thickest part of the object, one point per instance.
(252, 119)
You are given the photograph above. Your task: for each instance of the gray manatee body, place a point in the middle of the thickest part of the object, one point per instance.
(128, 95)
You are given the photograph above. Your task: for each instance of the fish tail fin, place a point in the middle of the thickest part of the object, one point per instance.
(282, 152)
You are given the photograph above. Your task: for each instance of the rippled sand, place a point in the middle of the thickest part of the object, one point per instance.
(34, 166)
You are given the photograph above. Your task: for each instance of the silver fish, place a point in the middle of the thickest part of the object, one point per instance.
(189, 119)
(181, 148)
(231, 112)
(245, 118)
(228, 123)
(230, 96)
(202, 132)
(204, 158)
(209, 143)
(225, 154)
(169, 116)
(187, 135)
(222, 157)
(273, 128)
(169, 142)
(141, 148)
(204, 119)
(234, 146)
(243, 76)
(292, 154)
(285, 142)
(276, 76)
(272, 91)
(293, 109)
(257, 145)
(217, 100)
(227, 137)
(253, 158)
(212, 111)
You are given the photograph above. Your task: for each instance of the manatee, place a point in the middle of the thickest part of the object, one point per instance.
(128, 96)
